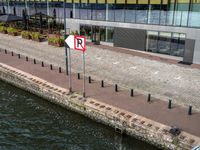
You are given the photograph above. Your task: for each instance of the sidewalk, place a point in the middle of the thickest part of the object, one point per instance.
(156, 110)
(148, 55)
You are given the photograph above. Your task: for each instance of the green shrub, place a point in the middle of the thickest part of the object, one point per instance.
(25, 34)
(11, 30)
(36, 35)
(56, 40)
(2, 29)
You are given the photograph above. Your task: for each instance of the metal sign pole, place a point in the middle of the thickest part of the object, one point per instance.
(83, 74)
(67, 73)
(70, 76)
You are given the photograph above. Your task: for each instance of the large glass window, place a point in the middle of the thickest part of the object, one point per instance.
(154, 14)
(130, 13)
(119, 12)
(142, 13)
(152, 41)
(101, 11)
(194, 15)
(84, 7)
(111, 12)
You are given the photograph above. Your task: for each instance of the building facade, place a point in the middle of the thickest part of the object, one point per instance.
(170, 27)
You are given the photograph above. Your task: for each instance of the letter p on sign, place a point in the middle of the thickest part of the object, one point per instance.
(80, 43)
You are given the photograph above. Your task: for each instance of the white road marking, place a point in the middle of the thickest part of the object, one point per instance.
(98, 58)
(133, 67)
(156, 72)
(178, 78)
(115, 63)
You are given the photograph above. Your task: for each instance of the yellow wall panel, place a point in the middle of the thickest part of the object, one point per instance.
(84, 1)
(183, 1)
(155, 1)
(110, 1)
(101, 1)
(76, 1)
(165, 1)
(69, 1)
(120, 1)
(92, 1)
(131, 1)
(142, 1)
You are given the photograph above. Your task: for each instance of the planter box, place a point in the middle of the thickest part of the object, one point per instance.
(26, 37)
(13, 34)
(56, 44)
(38, 40)
(4, 32)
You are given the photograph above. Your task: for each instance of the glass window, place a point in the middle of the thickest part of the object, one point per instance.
(77, 13)
(84, 7)
(130, 13)
(194, 15)
(109, 34)
(164, 43)
(86, 31)
(142, 13)
(152, 41)
(154, 14)
(101, 11)
(163, 15)
(111, 12)
(119, 12)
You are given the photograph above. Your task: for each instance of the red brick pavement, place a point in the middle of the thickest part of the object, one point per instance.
(156, 110)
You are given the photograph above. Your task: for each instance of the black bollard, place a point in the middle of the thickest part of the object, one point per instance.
(102, 83)
(5, 51)
(149, 98)
(42, 64)
(51, 67)
(19, 56)
(12, 53)
(170, 104)
(132, 93)
(89, 79)
(79, 76)
(116, 88)
(26, 58)
(34, 61)
(60, 71)
(84, 94)
(190, 110)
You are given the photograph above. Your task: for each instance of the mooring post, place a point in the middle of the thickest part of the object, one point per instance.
(102, 83)
(149, 98)
(34, 61)
(60, 71)
(42, 64)
(26, 58)
(51, 66)
(89, 79)
(190, 110)
(79, 76)
(116, 88)
(132, 93)
(5, 51)
(19, 56)
(170, 104)
(12, 53)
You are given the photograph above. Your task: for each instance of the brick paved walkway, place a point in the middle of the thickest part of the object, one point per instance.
(156, 110)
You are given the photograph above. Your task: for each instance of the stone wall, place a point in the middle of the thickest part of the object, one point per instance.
(123, 121)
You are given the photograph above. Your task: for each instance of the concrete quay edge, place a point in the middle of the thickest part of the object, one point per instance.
(129, 123)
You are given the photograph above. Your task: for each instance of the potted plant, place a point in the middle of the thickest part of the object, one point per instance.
(26, 35)
(36, 36)
(56, 41)
(3, 29)
(12, 31)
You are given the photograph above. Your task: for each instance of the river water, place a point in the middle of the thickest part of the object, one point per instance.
(28, 122)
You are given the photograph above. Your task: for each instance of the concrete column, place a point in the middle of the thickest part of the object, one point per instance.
(106, 12)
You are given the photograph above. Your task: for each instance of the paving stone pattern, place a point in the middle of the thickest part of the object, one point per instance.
(162, 80)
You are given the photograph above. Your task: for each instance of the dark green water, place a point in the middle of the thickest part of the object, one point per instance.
(28, 122)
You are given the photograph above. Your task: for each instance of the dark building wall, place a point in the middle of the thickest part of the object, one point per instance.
(189, 51)
(130, 38)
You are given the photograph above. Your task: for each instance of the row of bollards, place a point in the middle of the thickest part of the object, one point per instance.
(102, 82)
